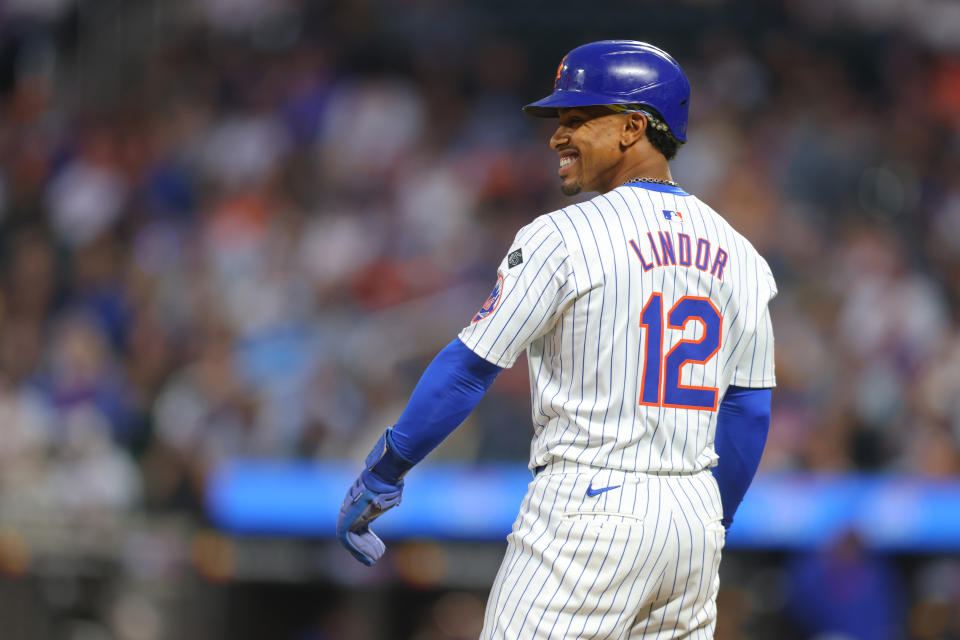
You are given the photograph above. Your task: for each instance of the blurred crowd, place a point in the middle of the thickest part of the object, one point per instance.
(245, 231)
(249, 245)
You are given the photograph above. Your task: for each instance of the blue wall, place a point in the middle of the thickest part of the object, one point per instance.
(783, 511)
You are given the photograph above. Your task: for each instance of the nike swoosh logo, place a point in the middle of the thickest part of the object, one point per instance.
(593, 493)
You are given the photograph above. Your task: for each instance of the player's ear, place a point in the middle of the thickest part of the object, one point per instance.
(634, 129)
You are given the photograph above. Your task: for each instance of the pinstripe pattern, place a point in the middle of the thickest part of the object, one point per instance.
(639, 561)
(576, 303)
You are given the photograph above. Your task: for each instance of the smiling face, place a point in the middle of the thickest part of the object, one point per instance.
(589, 142)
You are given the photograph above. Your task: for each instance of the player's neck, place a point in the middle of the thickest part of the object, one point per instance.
(652, 166)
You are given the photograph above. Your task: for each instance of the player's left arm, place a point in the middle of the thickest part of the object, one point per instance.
(743, 418)
(743, 421)
(448, 391)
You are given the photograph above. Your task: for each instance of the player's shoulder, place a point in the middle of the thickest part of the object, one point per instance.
(538, 230)
(559, 236)
(572, 220)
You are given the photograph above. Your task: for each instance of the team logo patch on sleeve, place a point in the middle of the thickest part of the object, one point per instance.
(515, 258)
(491, 304)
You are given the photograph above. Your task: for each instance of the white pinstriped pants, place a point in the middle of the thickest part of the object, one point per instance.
(637, 561)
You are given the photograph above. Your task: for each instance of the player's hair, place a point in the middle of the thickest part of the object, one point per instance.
(658, 132)
(659, 135)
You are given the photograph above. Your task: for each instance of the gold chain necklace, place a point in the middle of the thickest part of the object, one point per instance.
(670, 183)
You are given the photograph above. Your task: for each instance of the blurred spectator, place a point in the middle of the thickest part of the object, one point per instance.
(845, 591)
(204, 414)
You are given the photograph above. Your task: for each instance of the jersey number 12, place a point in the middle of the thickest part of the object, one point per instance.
(660, 381)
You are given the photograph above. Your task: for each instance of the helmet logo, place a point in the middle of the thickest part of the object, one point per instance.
(556, 80)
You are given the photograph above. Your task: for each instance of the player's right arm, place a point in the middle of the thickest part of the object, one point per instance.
(534, 282)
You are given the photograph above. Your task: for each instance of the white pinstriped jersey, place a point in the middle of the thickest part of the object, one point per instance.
(637, 309)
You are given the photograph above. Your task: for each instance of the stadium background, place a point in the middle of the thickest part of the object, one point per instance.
(238, 230)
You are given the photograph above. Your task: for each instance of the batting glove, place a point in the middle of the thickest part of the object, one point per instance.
(376, 491)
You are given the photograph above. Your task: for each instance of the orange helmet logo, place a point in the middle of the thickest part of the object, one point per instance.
(559, 71)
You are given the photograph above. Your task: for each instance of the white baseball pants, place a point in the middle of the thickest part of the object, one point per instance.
(598, 553)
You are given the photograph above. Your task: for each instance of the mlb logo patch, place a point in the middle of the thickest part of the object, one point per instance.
(673, 216)
(491, 304)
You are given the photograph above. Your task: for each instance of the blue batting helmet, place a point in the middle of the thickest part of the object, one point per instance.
(624, 73)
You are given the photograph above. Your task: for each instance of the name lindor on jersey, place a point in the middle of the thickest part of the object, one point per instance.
(681, 253)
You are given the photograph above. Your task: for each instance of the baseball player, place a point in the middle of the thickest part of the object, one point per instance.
(644, 318)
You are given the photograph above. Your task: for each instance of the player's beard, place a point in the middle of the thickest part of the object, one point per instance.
(570, 187)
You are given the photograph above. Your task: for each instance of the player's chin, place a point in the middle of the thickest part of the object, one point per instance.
(570, 188)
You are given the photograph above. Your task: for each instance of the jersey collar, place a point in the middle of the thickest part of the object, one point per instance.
(653, 186)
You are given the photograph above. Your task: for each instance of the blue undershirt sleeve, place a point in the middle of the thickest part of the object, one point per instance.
(743, 421)
(448, 391)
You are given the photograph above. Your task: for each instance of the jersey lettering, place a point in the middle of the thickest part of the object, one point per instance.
(665, 252)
